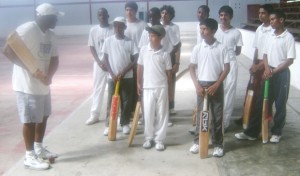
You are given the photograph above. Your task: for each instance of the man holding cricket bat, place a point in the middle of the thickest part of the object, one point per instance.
(32, 88)
(278, 56)
(211, 60)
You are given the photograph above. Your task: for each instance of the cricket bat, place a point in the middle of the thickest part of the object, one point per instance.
(134, 123)
(204, 129)
(115, 102)
(265, 114)
(23, 53)
(248, 103)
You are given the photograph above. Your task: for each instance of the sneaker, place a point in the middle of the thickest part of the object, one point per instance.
(105, 132)
(126, 129)
(172, 112)
(275, 138)
(192, 131)
(33, 162)
(45, 154)
(159, 146)
(91, 121)
(147, 144)
(243, 136)
(194, 149)
(218, 152)
(170, 123)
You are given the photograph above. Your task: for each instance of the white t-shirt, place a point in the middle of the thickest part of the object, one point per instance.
(210, 60)
(43, 47)
(282, 48)
(119, 54)
(134, 30)
(199, 38)
(230, 38)
(260, 39)
(155, 63)
(97, 36)
(172, 37)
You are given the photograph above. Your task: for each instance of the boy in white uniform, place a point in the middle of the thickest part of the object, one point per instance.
(96, 39)
(118, 51)
(232, 39)
(202, 13)
(33, 90)
(278, 56)
(211, 60)
(171, 44)
(154, 72)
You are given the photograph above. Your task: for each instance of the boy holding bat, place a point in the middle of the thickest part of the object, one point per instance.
(211, 60)
(278, 56)
(153, 78)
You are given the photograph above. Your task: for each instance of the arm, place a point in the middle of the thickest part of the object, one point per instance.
(213, 88)
(140, 71)
(257, 64)
(95, 55)
(199, 88)
(54, 62)
(107, 65)
(238, 50)
(269, 72)
(170, 83)
(129, 67)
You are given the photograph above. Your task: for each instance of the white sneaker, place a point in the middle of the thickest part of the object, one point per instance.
(194, 149)
(172, 112)
(159, 146)
(218, 152)
(147, 144)
(275, 138)
(105, 132)
(126, 129)
(91, 121)
(45, 154)
(33, 162)
(243, 136)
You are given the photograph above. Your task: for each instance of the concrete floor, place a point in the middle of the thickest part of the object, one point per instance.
(85, 151)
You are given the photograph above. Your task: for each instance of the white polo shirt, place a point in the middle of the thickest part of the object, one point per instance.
(172, 37)
(260, 39)
(281, 48)
(119, 54)
(155, 63)
(199, 38)
(134, 30)
(97, 36)
(230, 38)
(43, 47)
(210, 60)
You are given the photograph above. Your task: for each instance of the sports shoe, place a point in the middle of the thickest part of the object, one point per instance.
(218, 152)
(147, 144)
(194, 149)
(45, 154)
(159, 146)
(126, 129)
(91, 121)
(275, 138)
(105, 132)
(172, 112)
(33, 162)
(243, 136)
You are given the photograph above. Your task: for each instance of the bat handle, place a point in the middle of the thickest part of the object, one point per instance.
(205, 100)
(266, 91)
(117, 87)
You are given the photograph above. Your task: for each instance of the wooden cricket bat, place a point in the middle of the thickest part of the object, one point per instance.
(26, 57)
(115, 102)
(248, 103)
(204, 129)
(265, 114)
(134, 123)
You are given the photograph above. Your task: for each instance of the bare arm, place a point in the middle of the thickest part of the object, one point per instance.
(213, 88)
(54, 62)
(97, 59)
(238, 50)
(129, 67)
(107, 65)
(199, 88)
(170, 83)
(140, 71)
(269, 72)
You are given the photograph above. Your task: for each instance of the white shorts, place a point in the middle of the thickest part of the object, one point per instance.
(33, 108)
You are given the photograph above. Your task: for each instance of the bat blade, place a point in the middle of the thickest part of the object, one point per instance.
(115, 102)
(204, 129)
(265, 114)
(23, 53)
(134, 123)
(247, 108)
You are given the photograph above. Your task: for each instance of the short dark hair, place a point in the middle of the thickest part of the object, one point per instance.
(227, 9)
(155, 10)
(169, 9)
(132, 4)
(279, 14)
(205, 8)
(267, 7)
(210, 23)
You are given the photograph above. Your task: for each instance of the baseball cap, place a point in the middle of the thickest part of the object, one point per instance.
(120, 19)
(157, 29)
(48, 9)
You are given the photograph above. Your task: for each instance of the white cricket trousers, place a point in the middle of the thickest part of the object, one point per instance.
(156, 113)
(229, 92)
(100, 82)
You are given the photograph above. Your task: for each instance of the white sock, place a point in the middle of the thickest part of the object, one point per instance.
(29, 153)
(38, 145)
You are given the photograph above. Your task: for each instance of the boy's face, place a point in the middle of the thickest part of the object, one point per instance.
(102, 16)
(275, 21)
(201, 14)
(263, 15)
(154, 39)
(153, 18)
(119, 28)
(130, 12)
(165, 16)
(225, 18)
(206, 33)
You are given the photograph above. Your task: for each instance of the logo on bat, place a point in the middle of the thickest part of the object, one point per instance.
(204, 124)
